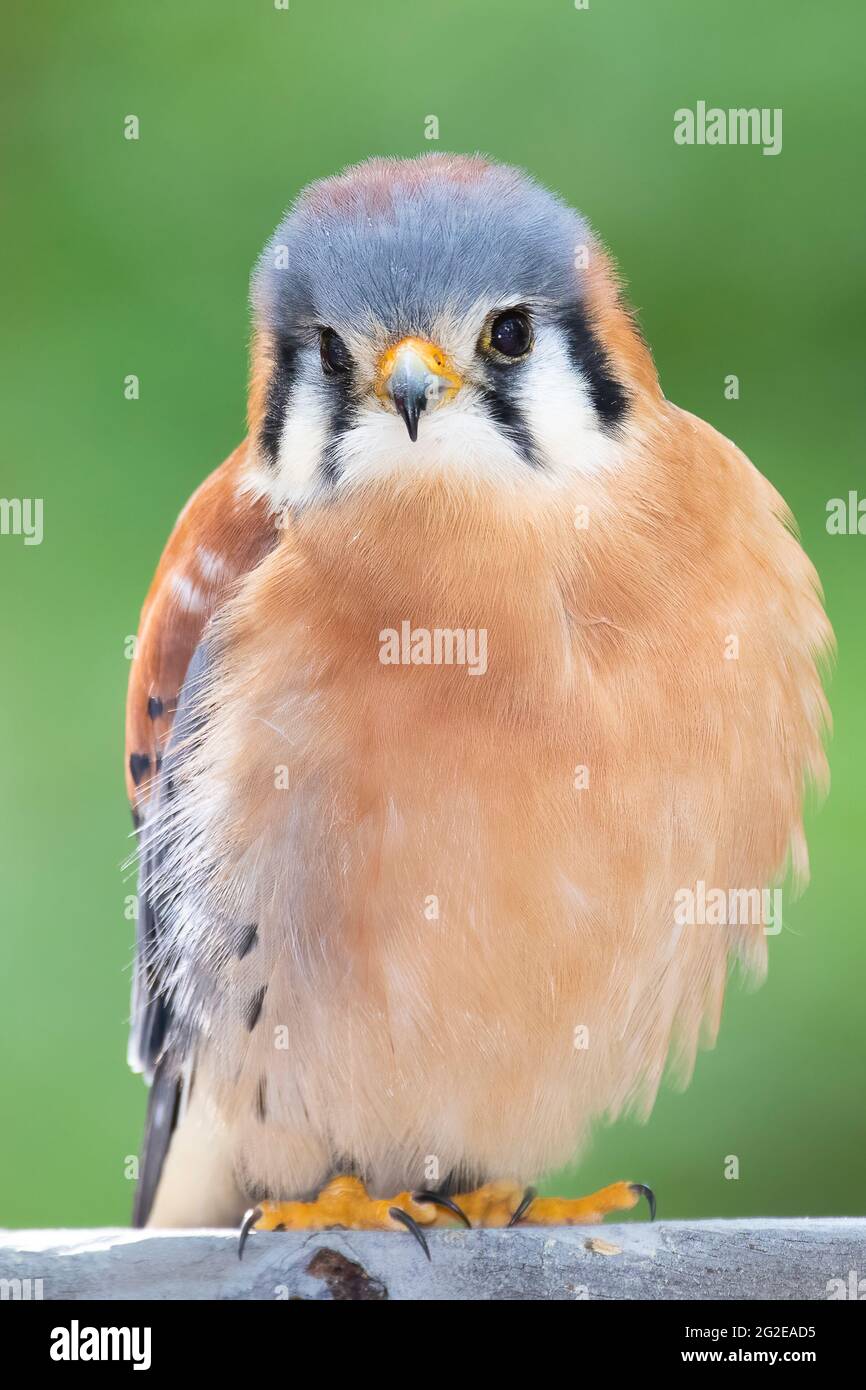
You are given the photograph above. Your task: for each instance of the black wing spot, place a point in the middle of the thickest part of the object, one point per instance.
(254, 1008)
(249, 939)
(139, 766)
(154, 707)
(261, 1103)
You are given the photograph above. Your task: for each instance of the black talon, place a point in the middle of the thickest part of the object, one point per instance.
(411, 1225)
(439, 1200)
(648, 1193)
(247, 1224)
(526, 1201)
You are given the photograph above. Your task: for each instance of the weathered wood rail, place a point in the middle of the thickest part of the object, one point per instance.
(752, 1259)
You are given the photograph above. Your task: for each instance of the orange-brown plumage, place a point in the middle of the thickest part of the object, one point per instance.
(441, 902)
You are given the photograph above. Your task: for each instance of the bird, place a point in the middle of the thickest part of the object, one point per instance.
(473, 659)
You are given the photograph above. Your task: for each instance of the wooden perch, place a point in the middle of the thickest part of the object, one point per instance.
(753, 1259)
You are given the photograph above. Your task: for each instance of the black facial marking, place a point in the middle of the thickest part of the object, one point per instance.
(249, 939)
(508, 416)
(261, 1103)
(342, 419)
(609, 396)
(279, 387)
(139, 765)
(154, 707)
(254, 1008)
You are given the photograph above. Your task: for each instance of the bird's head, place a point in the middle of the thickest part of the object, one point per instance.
(438, 315)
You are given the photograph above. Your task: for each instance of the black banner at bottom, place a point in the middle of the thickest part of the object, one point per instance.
(155, 1337)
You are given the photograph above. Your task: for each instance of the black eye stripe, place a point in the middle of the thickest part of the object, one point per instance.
(342, 420)
(609, 396)
(510, 419)
(279, 389)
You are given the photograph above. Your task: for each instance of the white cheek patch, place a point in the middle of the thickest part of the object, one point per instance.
(457, 438)
(554, 400)
(305, 437)
(461, 436)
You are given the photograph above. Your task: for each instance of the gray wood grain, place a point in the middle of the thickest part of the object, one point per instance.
(754, 1259)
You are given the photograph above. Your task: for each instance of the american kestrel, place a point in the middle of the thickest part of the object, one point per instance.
(473, 658)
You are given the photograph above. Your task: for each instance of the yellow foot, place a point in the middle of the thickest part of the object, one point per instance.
(506, 1203)
(580, 1211)
(344, 1202)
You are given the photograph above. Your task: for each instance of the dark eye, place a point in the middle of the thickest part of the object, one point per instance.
(511, 334)
(335, 355)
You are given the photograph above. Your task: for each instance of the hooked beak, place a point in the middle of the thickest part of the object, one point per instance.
(415, 374)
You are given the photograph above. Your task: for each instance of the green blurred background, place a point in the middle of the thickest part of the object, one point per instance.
(126, 257)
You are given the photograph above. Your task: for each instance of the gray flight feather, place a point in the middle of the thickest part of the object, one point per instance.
(156, 1045)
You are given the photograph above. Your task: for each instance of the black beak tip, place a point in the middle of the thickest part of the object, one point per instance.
(410, 409)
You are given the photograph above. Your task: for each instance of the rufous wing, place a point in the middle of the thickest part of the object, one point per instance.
(222, 533)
